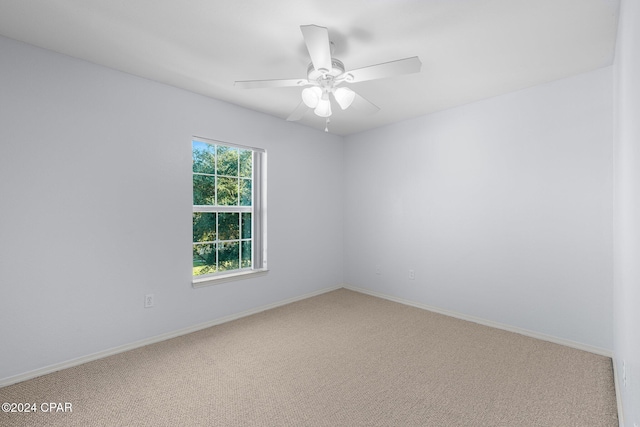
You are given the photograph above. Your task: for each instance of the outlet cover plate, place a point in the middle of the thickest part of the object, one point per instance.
(148, 301)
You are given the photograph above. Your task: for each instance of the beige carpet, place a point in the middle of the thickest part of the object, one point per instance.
(338, 359)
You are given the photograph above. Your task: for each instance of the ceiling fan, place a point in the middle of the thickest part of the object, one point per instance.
(326, 75)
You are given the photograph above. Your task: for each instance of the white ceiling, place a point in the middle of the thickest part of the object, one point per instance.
(470, 49)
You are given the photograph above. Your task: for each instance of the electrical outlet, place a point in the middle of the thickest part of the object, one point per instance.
(412, 275)
(148, 301)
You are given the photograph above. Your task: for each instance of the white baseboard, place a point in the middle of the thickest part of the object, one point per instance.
(485, 322)
(616, 385)
(152, 340)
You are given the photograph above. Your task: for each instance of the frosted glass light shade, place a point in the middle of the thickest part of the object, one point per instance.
(311, 96)
(324, 108)
(344, 96)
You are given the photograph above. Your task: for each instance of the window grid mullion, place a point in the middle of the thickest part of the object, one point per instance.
(221, 209)
(217, 244)
(215, 185)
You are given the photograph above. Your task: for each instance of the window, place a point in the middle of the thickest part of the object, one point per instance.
(229, 215)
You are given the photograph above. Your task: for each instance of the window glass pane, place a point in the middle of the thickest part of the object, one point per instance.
(229, 226)
(204, 226)
(227, 191)
(246, 225)
(222, 181)
(229, 256)
(245, 192)
(227, 161)
(204, 190)
(204, 258)
(204, 157)
(246, 254)
(246, 162)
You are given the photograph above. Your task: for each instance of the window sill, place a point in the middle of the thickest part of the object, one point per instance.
(201, 282)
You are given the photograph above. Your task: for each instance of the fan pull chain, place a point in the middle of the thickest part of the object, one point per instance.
(326, 126)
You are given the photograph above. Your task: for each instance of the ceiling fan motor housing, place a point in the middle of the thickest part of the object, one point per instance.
(337, 68)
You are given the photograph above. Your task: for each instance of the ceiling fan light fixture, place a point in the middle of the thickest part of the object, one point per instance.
(344, 96)
(324, 108)
(311, 96)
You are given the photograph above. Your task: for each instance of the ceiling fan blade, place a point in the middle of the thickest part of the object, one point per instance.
(255, 84)
(317, 40)
(363, 105)
(298, 112)
(387, 69)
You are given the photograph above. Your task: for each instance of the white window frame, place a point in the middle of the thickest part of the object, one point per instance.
(258, 209)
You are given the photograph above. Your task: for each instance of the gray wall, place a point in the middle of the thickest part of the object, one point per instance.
(503, 208)
(95, 205)
(627, 211)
